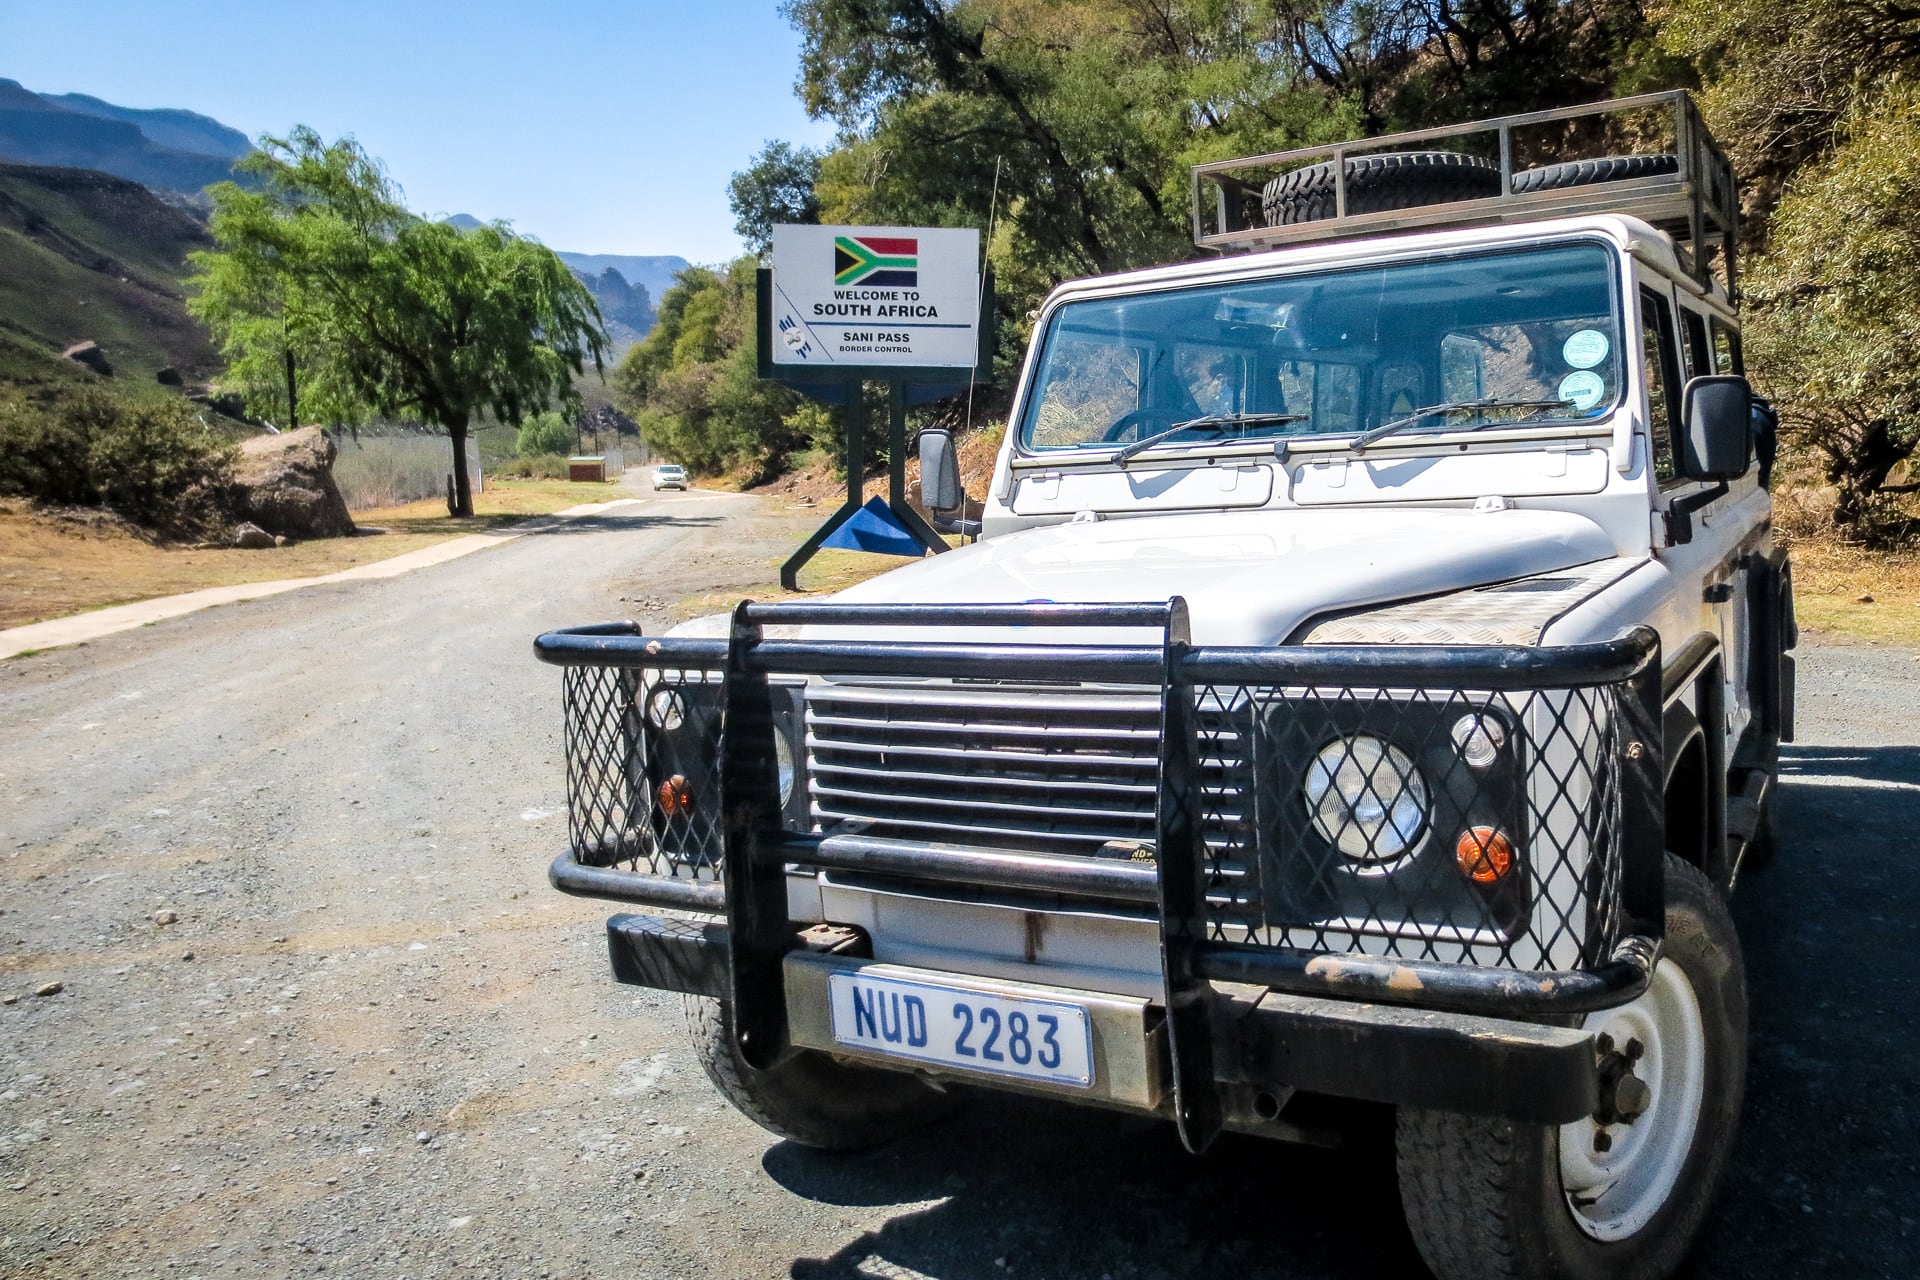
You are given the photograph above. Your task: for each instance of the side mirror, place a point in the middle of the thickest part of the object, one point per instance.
(1716, 419)
(940, 472)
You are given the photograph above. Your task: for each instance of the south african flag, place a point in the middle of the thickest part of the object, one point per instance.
(877, 261)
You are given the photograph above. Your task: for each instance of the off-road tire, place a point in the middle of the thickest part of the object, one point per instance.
(1583, 173)
(1483, 1197)
(809, 1098)
(1391, 180)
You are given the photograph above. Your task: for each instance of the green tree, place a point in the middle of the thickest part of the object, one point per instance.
(544, 433)
(1784, 77)
(1816, 101)
(394, 313)
(1835, 307)
(694, 387)
(778, 187)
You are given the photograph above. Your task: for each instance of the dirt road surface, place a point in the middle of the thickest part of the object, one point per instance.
(372, 1042)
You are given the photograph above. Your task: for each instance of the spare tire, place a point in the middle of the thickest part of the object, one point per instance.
(1389, 180)
(1581, 173)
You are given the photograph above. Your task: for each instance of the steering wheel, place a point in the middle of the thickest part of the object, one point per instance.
(1126, 422)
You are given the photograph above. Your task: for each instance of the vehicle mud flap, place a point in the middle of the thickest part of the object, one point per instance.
(759, 932)
(1182, 866)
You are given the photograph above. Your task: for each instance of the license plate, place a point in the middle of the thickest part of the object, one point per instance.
(999, 1035)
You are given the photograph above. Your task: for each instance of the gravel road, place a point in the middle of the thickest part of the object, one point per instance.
(319, 1014)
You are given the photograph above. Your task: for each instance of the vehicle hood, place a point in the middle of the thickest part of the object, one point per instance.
(1249, 578)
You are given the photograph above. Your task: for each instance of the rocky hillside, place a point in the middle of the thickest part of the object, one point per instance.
(654, 274)
(171, 151)
(626, 308)
(626, 286)
(85, 256)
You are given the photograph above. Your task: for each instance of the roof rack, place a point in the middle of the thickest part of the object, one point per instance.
(1680, 181)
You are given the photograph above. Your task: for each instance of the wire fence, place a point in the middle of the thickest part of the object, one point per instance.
(388, 471)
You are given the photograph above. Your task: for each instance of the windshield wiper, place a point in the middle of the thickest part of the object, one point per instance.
(1211, 422)
(1443, 410)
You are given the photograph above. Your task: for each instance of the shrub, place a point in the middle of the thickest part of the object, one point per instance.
(155, 463)
(159, 465)
(540, 466)
(43, 454)
(544, 433)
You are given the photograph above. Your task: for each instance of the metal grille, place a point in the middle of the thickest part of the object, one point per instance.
(1479, 828)
(642, 790)
(1058, 770)
(1055, 768)
(1072, 770)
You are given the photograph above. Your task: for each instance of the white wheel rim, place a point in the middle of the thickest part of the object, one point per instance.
(1612, 1194)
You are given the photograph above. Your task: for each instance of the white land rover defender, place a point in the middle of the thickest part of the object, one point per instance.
(1368, 681)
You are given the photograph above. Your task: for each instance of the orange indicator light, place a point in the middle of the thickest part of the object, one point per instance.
(676, 796)
(1484, 854)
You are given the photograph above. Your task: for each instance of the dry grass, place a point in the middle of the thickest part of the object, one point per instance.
(1845, 593)
(506, 501)
(51, 567)
(1851, 595)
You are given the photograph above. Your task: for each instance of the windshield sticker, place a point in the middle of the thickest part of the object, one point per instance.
(1585, 349)
(1584, 388)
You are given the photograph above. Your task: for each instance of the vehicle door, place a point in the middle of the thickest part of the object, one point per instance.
(1709, 587)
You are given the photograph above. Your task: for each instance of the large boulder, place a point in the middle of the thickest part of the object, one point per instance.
(251, 537)
(91, 356)
(285, 485)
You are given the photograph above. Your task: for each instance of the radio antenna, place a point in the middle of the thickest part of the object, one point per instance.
(993, 214)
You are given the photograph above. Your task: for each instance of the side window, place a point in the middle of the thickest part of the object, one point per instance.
(1726, 349)
(1662, 385)
(1463, 368)
(1699, 354)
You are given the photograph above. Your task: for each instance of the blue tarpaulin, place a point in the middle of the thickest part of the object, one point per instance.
(875, 528)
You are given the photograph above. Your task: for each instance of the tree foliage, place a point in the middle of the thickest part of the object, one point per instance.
(544, 433)
(1835, 309)
(1094, 110)
(693, 385)
(389, 312)
(1817, 101)
(778, 187)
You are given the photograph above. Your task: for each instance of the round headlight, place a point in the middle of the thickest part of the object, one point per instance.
(1479, 739)
(783, 758)
(666, 710)
(1367, 798)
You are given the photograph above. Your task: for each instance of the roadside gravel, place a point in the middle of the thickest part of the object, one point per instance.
(314, 1011)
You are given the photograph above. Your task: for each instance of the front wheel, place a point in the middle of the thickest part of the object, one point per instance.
(1621, 1195)
(809, 1098)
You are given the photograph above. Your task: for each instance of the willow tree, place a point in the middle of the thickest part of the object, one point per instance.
(322, 267)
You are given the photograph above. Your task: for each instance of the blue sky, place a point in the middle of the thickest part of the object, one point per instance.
(597, 126)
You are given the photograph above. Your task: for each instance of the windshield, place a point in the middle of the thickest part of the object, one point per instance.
(1529, 335)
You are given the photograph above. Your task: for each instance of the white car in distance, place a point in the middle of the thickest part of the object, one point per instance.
(670, 475)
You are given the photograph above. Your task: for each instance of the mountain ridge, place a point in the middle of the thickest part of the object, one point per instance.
(87, 256)
(174, 128)
(36, 129)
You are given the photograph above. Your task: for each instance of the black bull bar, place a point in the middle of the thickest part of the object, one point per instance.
(756, 851)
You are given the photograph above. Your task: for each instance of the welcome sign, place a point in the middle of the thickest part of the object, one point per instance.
(876, 296)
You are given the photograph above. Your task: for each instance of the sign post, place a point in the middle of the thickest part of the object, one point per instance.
(844, 306)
